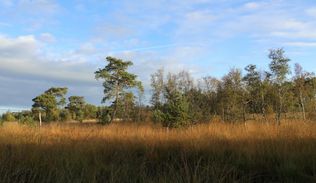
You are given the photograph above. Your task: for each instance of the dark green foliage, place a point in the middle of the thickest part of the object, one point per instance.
(104, 115)
(175, 112)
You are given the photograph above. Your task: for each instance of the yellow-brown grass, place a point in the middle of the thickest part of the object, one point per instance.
(216, 152)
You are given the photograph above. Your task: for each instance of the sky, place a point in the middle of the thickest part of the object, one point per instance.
(45, 43)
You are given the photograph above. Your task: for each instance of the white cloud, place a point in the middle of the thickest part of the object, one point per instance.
(19, 47)
(23, 56)
(24, 65)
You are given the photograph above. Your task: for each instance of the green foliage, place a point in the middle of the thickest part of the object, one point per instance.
(116, 80)
(90, 111)
(279, 65)
(157, 84)
(49, 103)
(175, 113)
(232, 96)
(65, 115)
(158, 116)
(27, 120)
(280, 68)
(8, 117)
(76, 107)
(104, 115)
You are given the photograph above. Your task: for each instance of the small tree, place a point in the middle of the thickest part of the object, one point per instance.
(103, 115)
(8, 117)
(171, 109)
(76, 107)
(280, 68)
(175, 112)
(50, 102)
(90, 111)
(116, 80)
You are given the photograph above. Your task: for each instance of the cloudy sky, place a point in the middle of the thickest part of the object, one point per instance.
(46, 43)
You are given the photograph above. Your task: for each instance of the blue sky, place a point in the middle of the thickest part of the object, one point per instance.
(46, 43)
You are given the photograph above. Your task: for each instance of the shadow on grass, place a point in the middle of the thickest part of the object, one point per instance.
(102, 160)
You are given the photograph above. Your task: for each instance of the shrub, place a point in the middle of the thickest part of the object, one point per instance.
(80, 116)
(8, 116)
(27, 120)
(64, 115)
(104, 115)
(158, 116)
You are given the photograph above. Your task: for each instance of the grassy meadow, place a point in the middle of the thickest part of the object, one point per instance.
(216, 152)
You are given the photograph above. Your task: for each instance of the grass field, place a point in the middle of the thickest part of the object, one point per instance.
(252, 152)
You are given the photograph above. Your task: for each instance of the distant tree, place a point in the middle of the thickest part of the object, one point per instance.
(8, 117)
(103, 115)
(50, 102)
(185, 82)
(175, 112)
(76, 107)
(265, 93)
(252, 95)
(128, 101)
(158, 99)
(279, 68)
(90, 111)
(302, 88)
(65, 115)
(116, 80)
(232, 96)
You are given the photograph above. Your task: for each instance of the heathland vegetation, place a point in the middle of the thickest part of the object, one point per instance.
(179, 100)
(253, 127)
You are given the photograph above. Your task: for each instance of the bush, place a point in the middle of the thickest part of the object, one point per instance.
(80, 116)
(8, 116)
(64, 115)
(104, 115)
(158, 116)
(27, 120)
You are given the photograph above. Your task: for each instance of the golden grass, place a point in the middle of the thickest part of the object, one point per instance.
(251, 152)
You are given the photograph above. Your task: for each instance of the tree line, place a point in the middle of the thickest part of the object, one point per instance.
(180, 100)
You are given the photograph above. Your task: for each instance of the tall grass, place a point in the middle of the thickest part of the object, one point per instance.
(252, 152)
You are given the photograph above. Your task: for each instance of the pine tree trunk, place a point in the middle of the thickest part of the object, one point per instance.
(116, 102)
